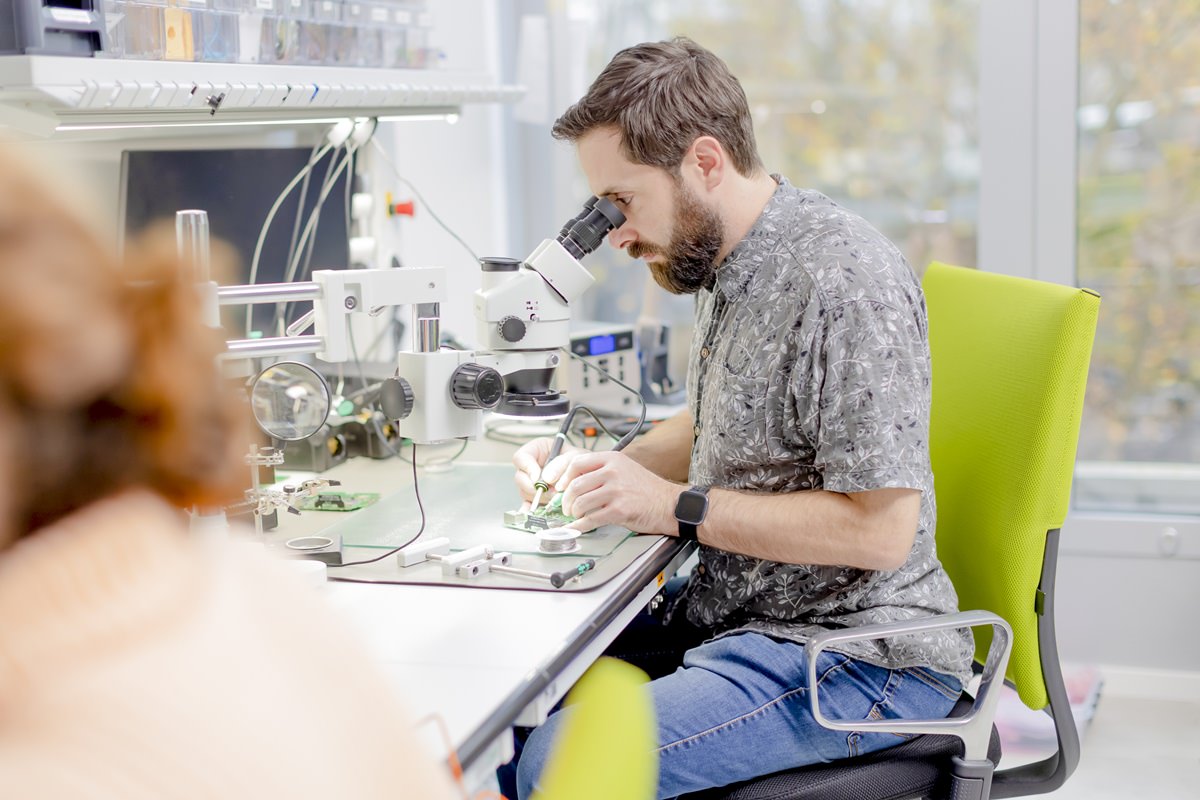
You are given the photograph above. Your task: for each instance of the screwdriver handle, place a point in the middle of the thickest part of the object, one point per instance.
(557, 579)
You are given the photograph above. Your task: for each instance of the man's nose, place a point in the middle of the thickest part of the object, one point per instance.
(622, 237)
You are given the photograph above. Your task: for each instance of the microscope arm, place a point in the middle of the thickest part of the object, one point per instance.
(335, 295)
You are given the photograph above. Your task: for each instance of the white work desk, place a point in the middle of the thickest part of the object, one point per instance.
(481, 659)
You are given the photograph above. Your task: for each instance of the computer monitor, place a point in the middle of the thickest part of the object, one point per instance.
(237, 188)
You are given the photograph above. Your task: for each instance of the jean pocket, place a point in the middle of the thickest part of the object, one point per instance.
(916, 694)
(878, 713)
(945, 685)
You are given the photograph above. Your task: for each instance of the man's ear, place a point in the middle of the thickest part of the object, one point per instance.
(707, 161)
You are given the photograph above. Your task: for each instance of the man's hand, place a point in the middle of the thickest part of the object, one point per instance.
(612, 489)
(530, 462)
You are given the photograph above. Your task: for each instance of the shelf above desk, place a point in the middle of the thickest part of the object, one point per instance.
(41, 95)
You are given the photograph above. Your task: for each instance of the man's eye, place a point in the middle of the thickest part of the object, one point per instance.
(623, 201)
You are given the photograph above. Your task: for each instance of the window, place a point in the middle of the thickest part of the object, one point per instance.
(873, 102)
(1139, 246)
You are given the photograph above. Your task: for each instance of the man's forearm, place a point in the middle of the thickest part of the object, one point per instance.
(666, 450)
(871, 530)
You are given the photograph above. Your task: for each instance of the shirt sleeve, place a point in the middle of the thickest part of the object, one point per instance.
(870, 421)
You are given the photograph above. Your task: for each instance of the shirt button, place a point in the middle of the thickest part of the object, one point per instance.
(704, 352)
(696, 430)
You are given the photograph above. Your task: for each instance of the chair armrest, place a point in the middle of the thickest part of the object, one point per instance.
(975, 729)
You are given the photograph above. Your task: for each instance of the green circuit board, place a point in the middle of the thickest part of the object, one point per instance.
(549, 516)
(336, 501)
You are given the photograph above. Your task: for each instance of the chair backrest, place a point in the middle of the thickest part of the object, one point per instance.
(606, 747)
(1010, 360)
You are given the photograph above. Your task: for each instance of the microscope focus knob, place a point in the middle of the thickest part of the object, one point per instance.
(396, 398)
(476, 386)
(512, 329)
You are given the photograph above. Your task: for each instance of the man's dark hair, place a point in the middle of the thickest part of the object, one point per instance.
(662, 96)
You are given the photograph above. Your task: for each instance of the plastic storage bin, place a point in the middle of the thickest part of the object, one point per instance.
(52, 27)
(366, 33)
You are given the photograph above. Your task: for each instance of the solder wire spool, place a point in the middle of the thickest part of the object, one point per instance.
(558, 540)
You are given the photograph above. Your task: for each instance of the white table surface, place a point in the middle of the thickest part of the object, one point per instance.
(480, 659)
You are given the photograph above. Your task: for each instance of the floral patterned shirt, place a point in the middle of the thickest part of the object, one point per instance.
(809, 370)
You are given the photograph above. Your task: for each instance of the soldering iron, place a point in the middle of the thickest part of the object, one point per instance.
(540, 486)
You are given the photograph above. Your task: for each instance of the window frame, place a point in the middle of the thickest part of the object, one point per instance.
(1028, 225)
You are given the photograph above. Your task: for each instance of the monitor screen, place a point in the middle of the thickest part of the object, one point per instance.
(237, 188)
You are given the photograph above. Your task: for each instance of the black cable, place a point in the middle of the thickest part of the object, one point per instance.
(417, 535)
(565, 428)
(599, 422)
(636, 429)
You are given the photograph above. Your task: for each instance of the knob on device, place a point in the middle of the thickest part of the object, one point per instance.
(512, 329)
(476, 386)
(396, 398)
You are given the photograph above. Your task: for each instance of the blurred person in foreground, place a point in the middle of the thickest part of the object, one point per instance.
(805, 437)
(136, 662)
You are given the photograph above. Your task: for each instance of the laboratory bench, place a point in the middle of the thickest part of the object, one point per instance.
(480, 659)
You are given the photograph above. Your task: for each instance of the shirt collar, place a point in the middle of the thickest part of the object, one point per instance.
(735, 272)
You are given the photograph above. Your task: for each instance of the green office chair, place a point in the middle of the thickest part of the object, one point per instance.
(1010, 361)
(606, 748)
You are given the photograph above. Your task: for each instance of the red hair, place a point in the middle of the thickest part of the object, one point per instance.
(108, 375)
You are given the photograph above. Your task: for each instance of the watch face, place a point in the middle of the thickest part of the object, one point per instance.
(691, 507)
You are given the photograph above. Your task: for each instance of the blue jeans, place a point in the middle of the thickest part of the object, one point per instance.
(738, 708)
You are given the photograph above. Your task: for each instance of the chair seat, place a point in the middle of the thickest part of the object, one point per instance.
(916, 768)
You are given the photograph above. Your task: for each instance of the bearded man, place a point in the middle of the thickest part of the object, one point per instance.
(801, 464)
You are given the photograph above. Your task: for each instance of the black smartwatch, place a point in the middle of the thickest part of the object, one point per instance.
(690, 510)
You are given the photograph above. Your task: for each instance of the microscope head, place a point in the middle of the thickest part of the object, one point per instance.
(539, 328)
(522, 313)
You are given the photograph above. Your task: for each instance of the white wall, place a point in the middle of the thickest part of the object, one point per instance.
(457, 168)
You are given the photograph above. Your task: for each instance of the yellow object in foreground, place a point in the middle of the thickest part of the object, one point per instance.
(607, 747)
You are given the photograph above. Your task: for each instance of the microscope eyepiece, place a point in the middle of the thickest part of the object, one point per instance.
(584, 233)
(587, 207)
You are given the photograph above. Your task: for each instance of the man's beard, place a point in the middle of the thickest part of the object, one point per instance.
(689, 262)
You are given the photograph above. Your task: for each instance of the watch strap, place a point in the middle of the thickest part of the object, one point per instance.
(691, 530)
